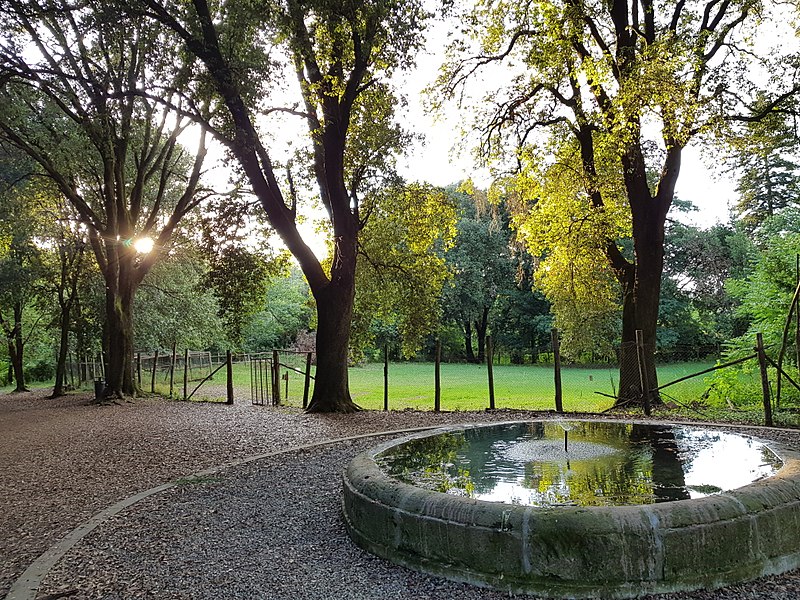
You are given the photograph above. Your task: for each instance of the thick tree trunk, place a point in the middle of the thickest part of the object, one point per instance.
(468, 351)
(331, 384)
(120, 380)
(640, 307)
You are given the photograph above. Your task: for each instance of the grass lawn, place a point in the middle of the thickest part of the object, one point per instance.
(465, 387)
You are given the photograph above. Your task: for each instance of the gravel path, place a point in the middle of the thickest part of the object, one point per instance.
(235, 535)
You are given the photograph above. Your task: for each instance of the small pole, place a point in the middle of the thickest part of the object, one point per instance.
(437, 377)
(643, 377)
(276, 379)
(762, 364)
(307, 383)
(489, 358)
(557, 372)
(153, 377)
(252, 381)
(229, 373)
(139, 368)
(386, 377)
(172, 370)
(566, 434)
(185, 374)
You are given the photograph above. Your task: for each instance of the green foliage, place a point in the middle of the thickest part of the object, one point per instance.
(554, 216)
(401, 269)
(765, 295)
(764, 156)
(286, 312)
(480, 261)
(239, 279)
(173, 307)
(698, 263)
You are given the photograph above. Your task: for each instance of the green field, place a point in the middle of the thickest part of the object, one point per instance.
(465, 386)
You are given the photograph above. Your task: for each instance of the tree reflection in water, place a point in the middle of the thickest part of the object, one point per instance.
(607, 464)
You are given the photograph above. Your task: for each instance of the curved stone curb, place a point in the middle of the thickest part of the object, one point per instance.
(27, 585)
(577, 551)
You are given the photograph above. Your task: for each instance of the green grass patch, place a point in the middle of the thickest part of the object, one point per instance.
(465, 386)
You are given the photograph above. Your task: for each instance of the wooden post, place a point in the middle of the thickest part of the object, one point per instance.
(644, 380)
(185, 374)
(437, 377)
(307, 383)
(229, 373)
(153, 377)
(139, 368)
(557, 369)
(276, 379)
(762, 364)
(386, 377)
(172, 371)
(489, 358)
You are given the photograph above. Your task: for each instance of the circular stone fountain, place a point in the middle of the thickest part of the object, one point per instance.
(584, 509)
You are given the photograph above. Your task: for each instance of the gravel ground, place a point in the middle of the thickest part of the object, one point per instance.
(233, 535)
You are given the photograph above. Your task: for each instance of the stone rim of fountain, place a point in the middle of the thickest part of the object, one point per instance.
(578, 552)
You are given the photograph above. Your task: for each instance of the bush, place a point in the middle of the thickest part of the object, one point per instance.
(41, 371)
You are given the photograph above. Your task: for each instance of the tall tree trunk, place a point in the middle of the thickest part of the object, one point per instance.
(120, 380)
(468, 351)
(640, 307)
(334, 316)
(63, 348)
(480, 330)
(331, 383)
(16, 347)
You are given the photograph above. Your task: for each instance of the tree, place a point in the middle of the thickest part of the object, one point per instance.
(341, 53)
(64, 266)
(75, 107)
(481, 265)
(174, 306)
(700, 262)
(402, 269)
(20, 260)
(765, 158)
(286, 313)
(620, 87)
(239, 279)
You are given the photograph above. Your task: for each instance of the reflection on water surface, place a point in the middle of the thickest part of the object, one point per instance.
(603, 464)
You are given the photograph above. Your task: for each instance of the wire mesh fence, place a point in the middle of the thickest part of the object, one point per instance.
(694, 380)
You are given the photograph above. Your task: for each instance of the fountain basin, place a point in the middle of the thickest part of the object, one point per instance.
(574, 551)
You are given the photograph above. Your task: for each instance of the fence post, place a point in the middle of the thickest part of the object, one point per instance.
(762, 364)
(557, 369)
(276, 379)
(172, 371)
(437, 377)
(489, 359)
(307, 382)
(153, 377)
(229, 373)
(138, 369)
(644, 379)
(386, 377)
(185, 373)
